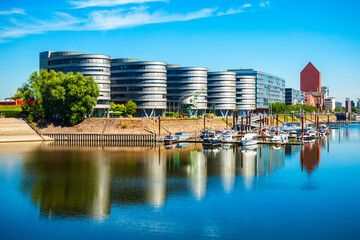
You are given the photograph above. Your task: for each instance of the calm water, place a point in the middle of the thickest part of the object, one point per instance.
(111, 192)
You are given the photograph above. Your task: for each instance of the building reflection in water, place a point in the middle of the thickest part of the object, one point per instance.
(100, 206)
(227, 159)
(86, 181)
(197, 174)
(155, 172)
(310, 156)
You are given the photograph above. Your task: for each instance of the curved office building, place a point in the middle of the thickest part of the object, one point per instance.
(183, 81)
(245, 93)
(221, 90)
(95, 65)
(143, 82)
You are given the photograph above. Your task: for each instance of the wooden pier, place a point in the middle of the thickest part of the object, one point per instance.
(102, 137)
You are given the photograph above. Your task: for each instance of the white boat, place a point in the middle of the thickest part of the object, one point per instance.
(227, 136)
(280, 138)
(181, 136)
(309, 134)
(323, 130)
(249, 139)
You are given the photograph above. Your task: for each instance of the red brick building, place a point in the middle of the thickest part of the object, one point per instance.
(310, 83)
(315, 99)
(310, 79)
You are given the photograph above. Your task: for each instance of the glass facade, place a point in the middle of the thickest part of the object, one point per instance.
(183, 81)
(142, 82)
(221, 89)
(293, 96)
(268, 88)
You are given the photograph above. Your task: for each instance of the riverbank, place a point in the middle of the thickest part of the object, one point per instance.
(17, 130)
(149, 126)
(133, 126)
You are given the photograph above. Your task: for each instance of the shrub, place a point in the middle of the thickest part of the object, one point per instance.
(11, 114)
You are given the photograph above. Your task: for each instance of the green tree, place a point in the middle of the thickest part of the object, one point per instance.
(354, 109)
(131, 107)
(118, 108)
(69, 97)
(343, 109)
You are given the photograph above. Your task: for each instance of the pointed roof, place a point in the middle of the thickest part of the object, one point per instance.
(310, 67)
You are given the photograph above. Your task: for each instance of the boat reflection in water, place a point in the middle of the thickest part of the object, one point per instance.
(86, 181)
(260, 160)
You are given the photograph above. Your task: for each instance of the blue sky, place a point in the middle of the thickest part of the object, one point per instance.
(276, 36)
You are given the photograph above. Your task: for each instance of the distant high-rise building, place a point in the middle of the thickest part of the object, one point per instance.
(325, 91)
(310, 79)
(338, 105)
(358, 103)
(347, 105)
(310, 83)
(330, 103)
(293, 96)
(352, 104)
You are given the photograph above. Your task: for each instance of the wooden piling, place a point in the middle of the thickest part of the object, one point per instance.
(227, 122)
(159, 125)
(302, 127)
(249, 121)
(242, 119)
(204, 122)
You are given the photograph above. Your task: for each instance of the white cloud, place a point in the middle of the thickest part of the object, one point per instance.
(61, 21)
(107, 3)
(13, 11)
(103, 20)
(236, 10)
(265, 4)
(113, 19)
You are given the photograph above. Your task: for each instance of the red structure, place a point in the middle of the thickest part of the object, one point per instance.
(310, 79)
(310, 99)
(14, 102)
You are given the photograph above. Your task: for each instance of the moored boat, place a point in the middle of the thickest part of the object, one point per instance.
(181, 136)
(210, 139)
(249, 139)
(228, 136)
(280, 138)
(169, 139)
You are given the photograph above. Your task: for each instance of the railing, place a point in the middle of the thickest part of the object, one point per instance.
(101, 137)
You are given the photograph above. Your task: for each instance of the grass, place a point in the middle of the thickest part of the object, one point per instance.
(12, 108)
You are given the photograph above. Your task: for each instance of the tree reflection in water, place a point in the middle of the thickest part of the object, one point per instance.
(85, 182)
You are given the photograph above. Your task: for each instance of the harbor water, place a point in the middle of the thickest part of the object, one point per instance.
(70, 191)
